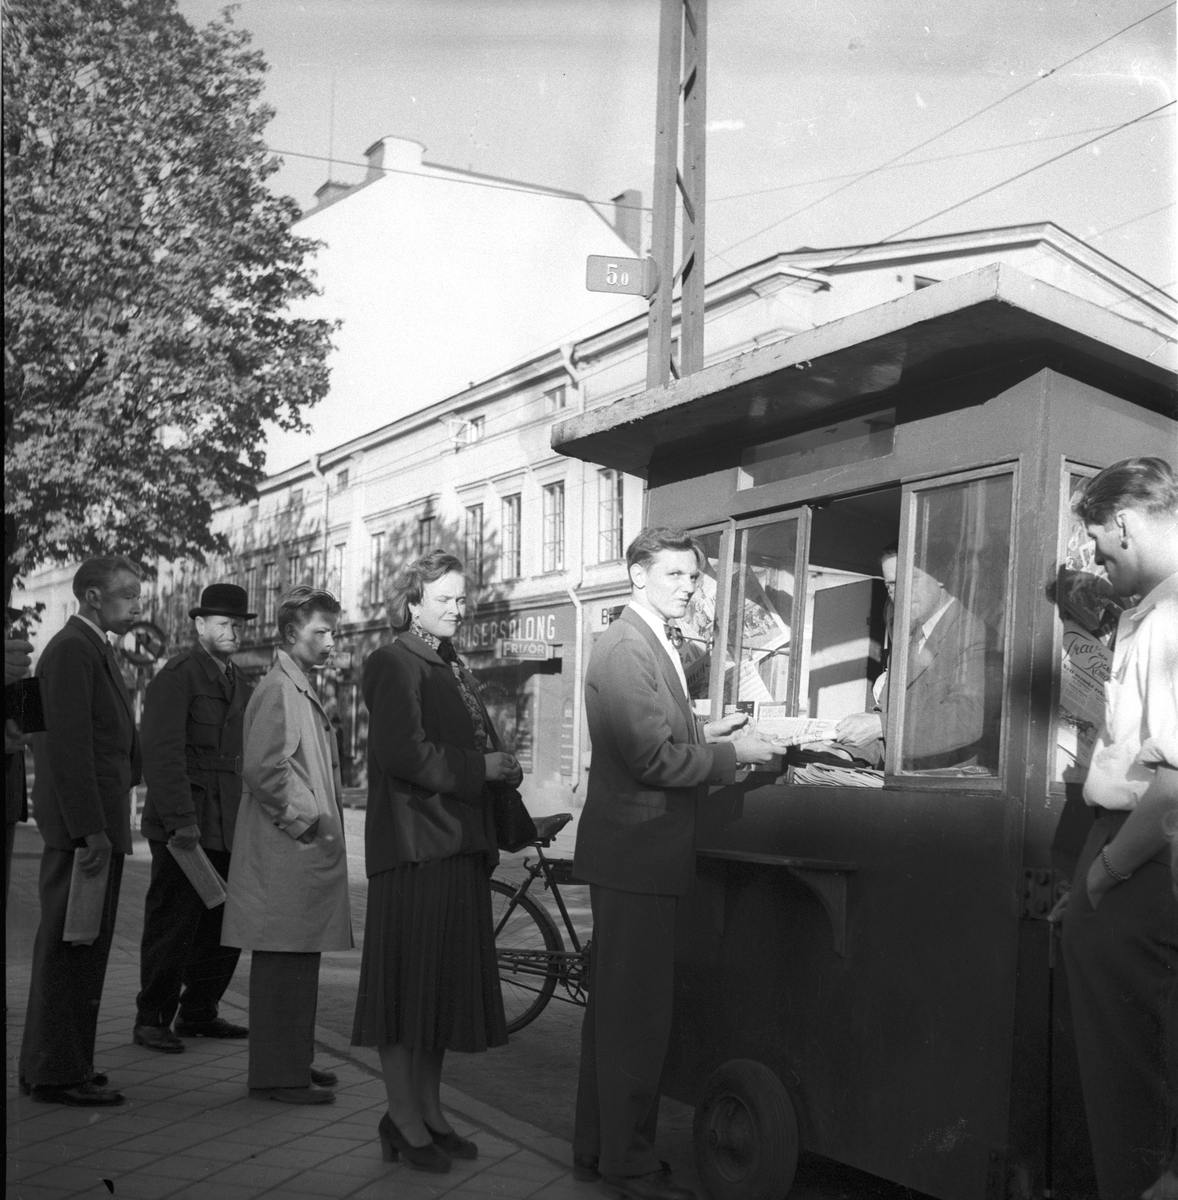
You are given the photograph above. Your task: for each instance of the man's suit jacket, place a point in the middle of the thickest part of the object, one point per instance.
(88, 759)
(192, 749)
(950, 700)
(637, 831)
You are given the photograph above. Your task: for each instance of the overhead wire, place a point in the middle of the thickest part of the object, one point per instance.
(1003, 99)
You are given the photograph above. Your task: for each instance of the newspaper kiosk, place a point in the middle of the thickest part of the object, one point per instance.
(863, 964)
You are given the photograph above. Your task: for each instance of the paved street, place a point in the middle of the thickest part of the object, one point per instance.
(189, 1129)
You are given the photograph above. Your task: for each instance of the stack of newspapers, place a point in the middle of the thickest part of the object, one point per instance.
(828, 775)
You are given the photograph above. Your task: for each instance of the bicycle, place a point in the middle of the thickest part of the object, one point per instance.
(528, 944)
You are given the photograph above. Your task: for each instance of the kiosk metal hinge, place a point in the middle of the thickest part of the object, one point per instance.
(1039, 893)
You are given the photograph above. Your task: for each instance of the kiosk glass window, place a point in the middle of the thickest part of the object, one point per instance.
(763, 589)
(698, 624)
(956, 596)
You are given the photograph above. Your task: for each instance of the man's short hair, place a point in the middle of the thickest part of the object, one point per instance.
(300, 604)
(891, 550)
(652, 539)
(100, 572)
(409, 586)
(1144, 483)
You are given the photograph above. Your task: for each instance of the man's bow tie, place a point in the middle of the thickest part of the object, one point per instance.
(674, 634)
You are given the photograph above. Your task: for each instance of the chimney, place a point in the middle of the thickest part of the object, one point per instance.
(331, 191)
(628, 218)
(392, 153)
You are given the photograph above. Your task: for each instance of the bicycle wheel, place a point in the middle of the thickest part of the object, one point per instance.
(524, 945)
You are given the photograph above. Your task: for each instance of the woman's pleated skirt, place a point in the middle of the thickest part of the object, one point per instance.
(428, 975)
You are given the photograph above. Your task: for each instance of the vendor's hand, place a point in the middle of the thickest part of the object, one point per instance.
(725, 728)
(17, 659)
(859, 729)
(755, 749)
(1099, 881)
(1055, 916)
(503, 766)
(14, 740)
(1165, 1187)
(308, 835)
(96, 855)
(186, 837)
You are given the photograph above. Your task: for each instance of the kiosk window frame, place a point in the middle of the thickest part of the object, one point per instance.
(894, 775)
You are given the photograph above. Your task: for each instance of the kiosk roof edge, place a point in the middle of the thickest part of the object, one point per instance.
(989, 317)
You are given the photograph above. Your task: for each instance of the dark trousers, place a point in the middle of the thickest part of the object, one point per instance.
(66, 985)
(626, 1030)
(181, 945)
(284, 993)
(1122, 968)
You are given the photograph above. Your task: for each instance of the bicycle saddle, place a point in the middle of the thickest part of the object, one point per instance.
(548, 827)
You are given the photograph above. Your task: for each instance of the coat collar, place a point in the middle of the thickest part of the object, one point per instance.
(670, 675)
(415, 645)
(294, 672)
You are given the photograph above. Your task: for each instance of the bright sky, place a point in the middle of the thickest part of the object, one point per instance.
(801, 95)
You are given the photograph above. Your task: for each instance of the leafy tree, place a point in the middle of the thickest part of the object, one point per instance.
(150, 279)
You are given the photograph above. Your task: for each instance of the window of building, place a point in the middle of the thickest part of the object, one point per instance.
(269, 593)
(251, 591)
(610, 487)
(472, 543)
(553, 543)
(341, 480)
(253, 516)
(509, 538)
(296, 497)
(336, 580)
(473, 430)
(312, 568)
(376, 569)
(556, 398)
(425, 534)
(294, 570)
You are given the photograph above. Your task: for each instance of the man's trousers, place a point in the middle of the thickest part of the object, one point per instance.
(1122, 969)
(626, 1030)
(181, 945)
(284, 993)
(66, 985)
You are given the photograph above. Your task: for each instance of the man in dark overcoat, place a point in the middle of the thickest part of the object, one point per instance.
(192, 747)
(86, 763)
(636, 850)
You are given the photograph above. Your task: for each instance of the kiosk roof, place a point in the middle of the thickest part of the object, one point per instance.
(992, 318)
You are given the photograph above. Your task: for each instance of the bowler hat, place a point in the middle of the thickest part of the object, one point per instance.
(223, 600)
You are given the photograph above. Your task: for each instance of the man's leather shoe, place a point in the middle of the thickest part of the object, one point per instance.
(216, 1028)
(324, 1078)
(655, 1186)
(81, 1095)
(585, 1168)
(158, 1037)
(98, 1079)
(295, 1095)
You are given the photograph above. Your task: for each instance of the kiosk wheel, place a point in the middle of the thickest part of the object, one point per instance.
(526, 940)
(745, 1134)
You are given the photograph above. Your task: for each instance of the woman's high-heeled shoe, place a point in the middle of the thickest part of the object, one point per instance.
(394, 1145)
(452, 1144)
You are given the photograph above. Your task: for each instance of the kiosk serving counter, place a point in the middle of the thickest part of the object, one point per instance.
(863, 963)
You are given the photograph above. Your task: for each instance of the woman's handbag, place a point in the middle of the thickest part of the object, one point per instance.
(514, 827)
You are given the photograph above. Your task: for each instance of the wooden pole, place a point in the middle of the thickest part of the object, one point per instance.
(695, 62)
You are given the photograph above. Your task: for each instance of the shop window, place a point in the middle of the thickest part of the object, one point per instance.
(955, 605)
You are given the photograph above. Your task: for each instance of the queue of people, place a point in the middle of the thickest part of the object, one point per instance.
(254, 780)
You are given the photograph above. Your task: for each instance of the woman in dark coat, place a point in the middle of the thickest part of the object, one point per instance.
(428, 980)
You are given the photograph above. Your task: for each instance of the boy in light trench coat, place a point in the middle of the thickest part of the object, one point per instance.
(288, 880)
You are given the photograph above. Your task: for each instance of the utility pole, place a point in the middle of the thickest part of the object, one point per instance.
(682, 73)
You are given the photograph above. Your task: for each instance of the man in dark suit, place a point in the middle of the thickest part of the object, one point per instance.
(636, 849)
(192, 747)
(953, 681)
(86, 764)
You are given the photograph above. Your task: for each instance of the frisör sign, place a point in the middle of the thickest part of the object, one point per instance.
(536, 651)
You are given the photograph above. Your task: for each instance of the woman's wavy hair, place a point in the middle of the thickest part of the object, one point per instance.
(409, 585)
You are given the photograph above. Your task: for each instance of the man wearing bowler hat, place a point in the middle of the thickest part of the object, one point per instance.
(192, 742)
